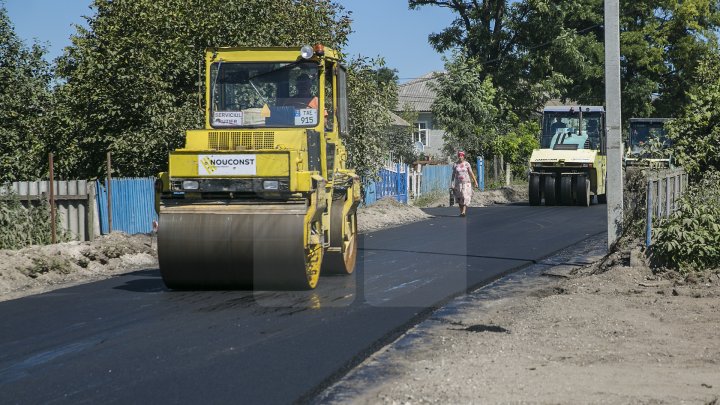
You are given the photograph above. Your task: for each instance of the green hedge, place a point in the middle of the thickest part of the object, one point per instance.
(690, 239)
(21, 226)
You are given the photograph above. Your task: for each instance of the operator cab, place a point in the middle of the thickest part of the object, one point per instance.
(644, 132)
(572, 128)
(276, 94)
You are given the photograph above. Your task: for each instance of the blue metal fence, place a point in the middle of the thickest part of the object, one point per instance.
(391, 183)
(435, 178)
(481, 173)
(133, 199)
(133, 205)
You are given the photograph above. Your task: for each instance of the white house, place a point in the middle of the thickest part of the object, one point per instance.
(416, 95)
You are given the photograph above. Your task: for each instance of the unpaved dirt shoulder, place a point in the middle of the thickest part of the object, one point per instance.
(622, 337)
(38, 269)
(387, 213)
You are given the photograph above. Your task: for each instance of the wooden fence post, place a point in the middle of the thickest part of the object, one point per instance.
(53, 230)
(495, 168)
(501, 166)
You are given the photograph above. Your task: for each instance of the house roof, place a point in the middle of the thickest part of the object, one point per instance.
(417, 93)
(398, 121)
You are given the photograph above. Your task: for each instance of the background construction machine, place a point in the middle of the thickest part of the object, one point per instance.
(647, 143)
(262, 197)
(570, 165)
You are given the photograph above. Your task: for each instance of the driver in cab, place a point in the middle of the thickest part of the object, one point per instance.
(303, 97)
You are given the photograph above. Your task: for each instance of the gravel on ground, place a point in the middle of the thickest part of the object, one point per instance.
(37, 269)
(608, 333)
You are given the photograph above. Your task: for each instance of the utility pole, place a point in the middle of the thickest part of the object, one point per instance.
(614, 186)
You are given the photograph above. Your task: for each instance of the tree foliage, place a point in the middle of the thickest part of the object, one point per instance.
(517, 146)
(371, 140)
(130, 80)
(696, 132)
(25, 103)
(540, 49)
(689, 240)
(386, 75)
(402, 143)
(469, 107)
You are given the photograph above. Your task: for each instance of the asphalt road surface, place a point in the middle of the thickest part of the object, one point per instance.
(130, 340)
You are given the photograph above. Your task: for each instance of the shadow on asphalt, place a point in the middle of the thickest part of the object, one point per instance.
(150, 283)
(143, 286)
(146, 273)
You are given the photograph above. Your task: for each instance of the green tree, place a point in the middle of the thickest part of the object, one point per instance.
(130, 80)
(539, 49)
(402, 141)
(386, 75)
(517, 146)
(25, 103)
(469, 108)
(696, 132)
(489, 32)
(371, 140)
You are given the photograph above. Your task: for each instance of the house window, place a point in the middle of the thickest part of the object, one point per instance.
(421, 133)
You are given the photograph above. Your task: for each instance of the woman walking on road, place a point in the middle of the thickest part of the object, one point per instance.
(461, 175)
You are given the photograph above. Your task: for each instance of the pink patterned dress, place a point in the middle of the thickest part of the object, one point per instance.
(462, 187)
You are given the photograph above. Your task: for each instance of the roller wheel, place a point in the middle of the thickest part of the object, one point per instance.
(549, 191)
(235, 246)
(566, 191)
(582, 190)
(534, 189)
(340, 258)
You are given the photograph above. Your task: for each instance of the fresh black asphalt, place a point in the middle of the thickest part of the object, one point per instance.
(130, 340)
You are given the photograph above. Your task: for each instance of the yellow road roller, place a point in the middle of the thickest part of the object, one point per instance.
(571, 164)
(262, 197)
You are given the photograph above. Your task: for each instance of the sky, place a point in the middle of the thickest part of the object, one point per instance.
(384, 28)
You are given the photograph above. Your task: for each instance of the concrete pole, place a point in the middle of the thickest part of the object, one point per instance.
(614, 184)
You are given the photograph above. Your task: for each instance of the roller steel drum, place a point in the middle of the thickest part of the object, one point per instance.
(267, 246)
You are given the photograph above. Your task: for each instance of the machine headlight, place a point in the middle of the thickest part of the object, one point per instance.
(306, 52)
(190, 185)
(270, 184)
